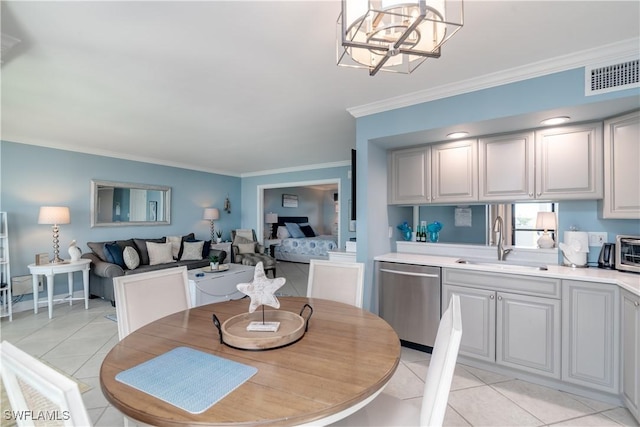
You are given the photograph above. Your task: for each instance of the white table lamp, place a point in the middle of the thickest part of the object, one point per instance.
(211, 214)
(55, 215)
(546, 221)
(271, 218)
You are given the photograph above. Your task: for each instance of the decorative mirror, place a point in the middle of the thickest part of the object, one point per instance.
(117, 204)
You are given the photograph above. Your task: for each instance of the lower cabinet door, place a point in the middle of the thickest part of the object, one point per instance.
(528, 333)
(631, 352)
(591, 335)
(478, 308)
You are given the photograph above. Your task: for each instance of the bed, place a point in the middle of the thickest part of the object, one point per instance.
(301, 249)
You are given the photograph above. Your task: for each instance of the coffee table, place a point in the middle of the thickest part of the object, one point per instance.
(218, 286)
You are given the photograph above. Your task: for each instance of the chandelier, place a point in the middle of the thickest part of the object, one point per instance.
(395, 35)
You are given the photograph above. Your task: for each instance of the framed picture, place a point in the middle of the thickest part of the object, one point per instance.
(153, 211)
(289, 201)
(42, 259)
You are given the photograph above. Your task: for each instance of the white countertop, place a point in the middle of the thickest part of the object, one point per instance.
(628, 281)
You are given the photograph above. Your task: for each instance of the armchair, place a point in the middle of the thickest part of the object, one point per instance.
(247, 251)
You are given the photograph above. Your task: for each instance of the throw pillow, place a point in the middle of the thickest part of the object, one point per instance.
(141, 244)
(282, 232)
(188, 238)
(294, 230)
(159, 253)
(98, 249)
(238, 240)
(113, 253)
(206, 248)
(246, 248)
(192, 251)
(176, 242)
(131, 258)
(308, 231)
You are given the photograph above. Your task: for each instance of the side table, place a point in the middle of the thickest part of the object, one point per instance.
(224, 246)
(50, 270)
(269, 246)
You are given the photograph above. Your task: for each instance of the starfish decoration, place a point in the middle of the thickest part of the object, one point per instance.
(261, 289)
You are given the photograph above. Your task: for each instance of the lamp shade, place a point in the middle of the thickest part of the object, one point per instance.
(211, 214)
(271, 218)
(546, 221)
(54, 215)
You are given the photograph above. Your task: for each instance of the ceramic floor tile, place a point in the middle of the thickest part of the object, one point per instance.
(111, 417)
(622, 416)
(485, 376)
(410, 355)
(404, 384)
(595, 420)
(454, 419)
(483, 406)
(93, 398)
(596, 405)
(544, 403)
(95, 414)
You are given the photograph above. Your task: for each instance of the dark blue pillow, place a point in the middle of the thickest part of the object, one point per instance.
(113, 253)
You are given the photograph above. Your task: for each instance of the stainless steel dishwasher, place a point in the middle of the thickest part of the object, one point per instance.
(410, 300)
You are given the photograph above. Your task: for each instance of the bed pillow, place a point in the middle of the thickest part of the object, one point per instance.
(294, 230)
(307, 230)
(131, 257)
(282, 232)
(192, 250)
(159, 253)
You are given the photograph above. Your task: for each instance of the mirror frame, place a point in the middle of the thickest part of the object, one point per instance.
(95, 184)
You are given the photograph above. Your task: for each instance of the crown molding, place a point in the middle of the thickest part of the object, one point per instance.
(622, 50)
(298, 169)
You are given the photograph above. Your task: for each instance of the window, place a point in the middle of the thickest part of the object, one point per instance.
(524, 231)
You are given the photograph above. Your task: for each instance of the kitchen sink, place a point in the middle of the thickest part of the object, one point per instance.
(503, 265)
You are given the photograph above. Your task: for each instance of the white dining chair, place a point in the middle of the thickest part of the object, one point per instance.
(144, 297)
(336, 281)
(36, 390)
(386, 410)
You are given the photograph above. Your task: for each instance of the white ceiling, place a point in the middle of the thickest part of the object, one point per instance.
(240, 87)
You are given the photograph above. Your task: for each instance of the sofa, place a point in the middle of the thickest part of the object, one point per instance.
(122, 257)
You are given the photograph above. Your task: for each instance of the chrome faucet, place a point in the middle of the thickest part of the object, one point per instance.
(497, 228)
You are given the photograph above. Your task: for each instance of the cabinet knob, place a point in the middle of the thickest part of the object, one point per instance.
(491, 297)
(636, 303)
(530, 194)
(539, 194)
(499, 298)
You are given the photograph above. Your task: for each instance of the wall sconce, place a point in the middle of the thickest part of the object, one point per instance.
(55, 215)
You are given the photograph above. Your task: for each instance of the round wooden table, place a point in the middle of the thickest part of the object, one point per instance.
(345, 358)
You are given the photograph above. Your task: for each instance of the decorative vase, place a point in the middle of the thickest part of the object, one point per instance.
(214, 265)
(218, 239)
(74, 252)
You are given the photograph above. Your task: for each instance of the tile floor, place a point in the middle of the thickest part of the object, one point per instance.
(77, 340)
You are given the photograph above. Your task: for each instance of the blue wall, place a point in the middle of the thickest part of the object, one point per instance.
(34, 176)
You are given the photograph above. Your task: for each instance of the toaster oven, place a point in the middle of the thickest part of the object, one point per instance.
(628, 253)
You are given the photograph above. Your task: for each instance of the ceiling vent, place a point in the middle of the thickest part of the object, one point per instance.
(608, 78)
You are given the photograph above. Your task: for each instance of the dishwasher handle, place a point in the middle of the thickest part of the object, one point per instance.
(409, 273)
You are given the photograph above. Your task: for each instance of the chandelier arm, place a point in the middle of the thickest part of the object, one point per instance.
(380, 64)
(409, 30)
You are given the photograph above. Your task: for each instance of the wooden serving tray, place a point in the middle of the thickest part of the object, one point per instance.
(233, 332)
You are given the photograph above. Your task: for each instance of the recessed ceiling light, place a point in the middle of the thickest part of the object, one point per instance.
(555, 121)
(455, 135)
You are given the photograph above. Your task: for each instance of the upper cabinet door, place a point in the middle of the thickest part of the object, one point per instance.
(506, 169)
(454, 176)
(409, 181)
(621, 171)
(569, 162)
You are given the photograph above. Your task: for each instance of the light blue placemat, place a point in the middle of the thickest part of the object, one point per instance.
(187, 378)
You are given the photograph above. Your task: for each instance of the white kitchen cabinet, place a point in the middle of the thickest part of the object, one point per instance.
(520, 331)
(569, 162)
(438, 173)
(478, 308)
(409, 179)
(528, 333)
(630, 370)
(621, 171)
(506, 167)
(590, 335)
(454, 174)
